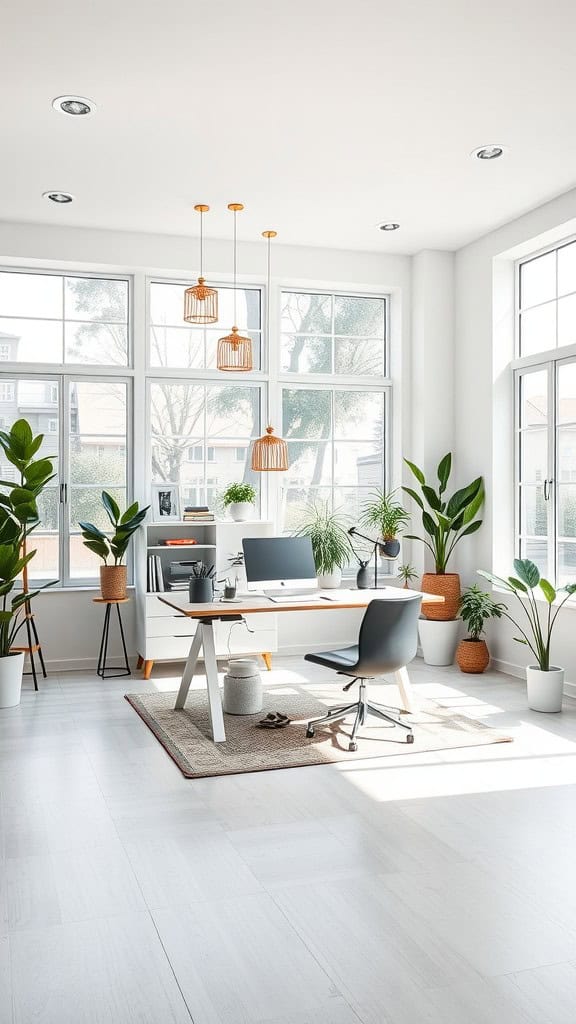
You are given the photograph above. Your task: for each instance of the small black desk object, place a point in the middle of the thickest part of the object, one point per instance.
(111, 671)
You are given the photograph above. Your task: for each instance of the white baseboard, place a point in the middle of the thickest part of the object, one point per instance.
(519, 671)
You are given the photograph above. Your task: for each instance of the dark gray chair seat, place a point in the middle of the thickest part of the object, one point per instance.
(387, 642)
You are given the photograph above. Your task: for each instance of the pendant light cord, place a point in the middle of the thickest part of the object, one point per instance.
(235, 322)
(268, 300)
(201, 242)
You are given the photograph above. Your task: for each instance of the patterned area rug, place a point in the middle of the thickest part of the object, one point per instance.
(185, 735)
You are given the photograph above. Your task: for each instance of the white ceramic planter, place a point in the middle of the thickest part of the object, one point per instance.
(545, 688)
(241, 511)
(330, 580)
(242, 688)
(439, 640)
(11, 669)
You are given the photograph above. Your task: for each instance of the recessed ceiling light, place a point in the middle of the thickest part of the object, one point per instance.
(58, 197)
(388, 225)
(76, 106)
(488, 152)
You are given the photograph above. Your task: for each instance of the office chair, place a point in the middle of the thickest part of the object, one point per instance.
(387, 642)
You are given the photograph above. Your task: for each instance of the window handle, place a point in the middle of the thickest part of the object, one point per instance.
(546, 495)
(63, 494)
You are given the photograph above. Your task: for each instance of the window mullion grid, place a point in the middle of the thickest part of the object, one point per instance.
(552, 475)
(65, 479)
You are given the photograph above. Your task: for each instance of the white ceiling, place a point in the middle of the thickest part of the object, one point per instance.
(323, 118)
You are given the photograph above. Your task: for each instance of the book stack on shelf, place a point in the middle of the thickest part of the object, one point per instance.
(198, 514)
(155, 577)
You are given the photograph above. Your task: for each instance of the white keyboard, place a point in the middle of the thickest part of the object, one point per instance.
(295, 598)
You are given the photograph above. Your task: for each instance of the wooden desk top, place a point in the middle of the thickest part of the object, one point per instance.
(252, 603)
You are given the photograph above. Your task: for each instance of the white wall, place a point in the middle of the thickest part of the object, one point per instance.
(483, 438)
(68, 622)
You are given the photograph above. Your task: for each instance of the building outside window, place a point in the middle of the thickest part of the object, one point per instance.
(545, 389)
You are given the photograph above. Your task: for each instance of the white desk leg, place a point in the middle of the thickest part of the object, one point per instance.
(211, 669)
(189, 669)
(407, 696)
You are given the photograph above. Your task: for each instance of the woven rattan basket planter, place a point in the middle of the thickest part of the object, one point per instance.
(446, 586)
(113, 582)
(472, 656)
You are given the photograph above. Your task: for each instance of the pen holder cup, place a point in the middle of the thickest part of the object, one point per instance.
(229, 593)
(201, 591)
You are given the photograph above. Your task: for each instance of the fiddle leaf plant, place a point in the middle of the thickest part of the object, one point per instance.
(446, 521)
(19, 517)
(124, 524)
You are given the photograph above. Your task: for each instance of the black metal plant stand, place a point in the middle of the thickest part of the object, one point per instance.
(33, 646)
(111, 671)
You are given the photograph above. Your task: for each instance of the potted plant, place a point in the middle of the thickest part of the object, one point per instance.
(407, 573)
(239, 499)
(330, 543)
(545, 682)
(18, 518)
(113, 577)
(476, 607)
(389, 517)
(446, 521)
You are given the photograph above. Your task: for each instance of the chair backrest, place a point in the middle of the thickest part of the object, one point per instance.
(388, 637)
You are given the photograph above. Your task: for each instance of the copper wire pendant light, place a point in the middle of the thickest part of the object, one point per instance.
(201, 302)
(269, 453)
(234, 352)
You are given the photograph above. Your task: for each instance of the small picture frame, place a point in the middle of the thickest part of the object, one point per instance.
(165, 502)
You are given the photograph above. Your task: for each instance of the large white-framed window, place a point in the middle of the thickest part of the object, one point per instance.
(335, 400)
(67, 373)
(545, 412)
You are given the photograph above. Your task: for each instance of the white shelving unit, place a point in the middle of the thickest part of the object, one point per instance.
(162, 634)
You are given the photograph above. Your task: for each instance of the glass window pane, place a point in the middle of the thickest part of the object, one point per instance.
(538, 329)
(534, 399)
(31, 295)
(359, 414)
(304, 313)
(533, 511)
(306, 413)
(247, 309)
(566, 564)
(167, 306)
(359, 356)
(304, 354)
(310, 463)
(567, 320)
(96, 344)
(85, 504)
(566, 411)
(566, 472)
(358, 316)
(296, 502)
(233, 412)
(533, 456)
(94, 298)
(177, 347)
(567, 510)
(32, 341)
(567, 269)
(538, 280)
(357, 462)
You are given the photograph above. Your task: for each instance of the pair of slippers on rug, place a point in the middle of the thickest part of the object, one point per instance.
(275, 720)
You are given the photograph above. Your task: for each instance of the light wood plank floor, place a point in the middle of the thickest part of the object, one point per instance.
(420, 889)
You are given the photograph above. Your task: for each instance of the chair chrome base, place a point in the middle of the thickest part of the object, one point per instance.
(363, 708)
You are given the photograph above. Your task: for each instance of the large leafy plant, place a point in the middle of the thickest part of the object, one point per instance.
(18, 518)
(124, 525)
(445, 520)
(476, 607)
(386, 513)
(330, 543)
(538, 632)
(239, 493)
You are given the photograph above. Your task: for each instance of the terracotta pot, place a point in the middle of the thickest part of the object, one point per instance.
(113, 582)
(472, 655)
(446, 586)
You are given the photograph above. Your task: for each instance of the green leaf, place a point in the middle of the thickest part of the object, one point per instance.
(111, 507)
(432, 498)
(527, 572)
(462, 498)
(429, 524)
(417, 472)
(520, 640)
(444, 470)
(471, 529)
(476, 503)
(92, 530)
(415, 497)
(517, 584)
(548, 590)
(130, 511)
(33, 447)
(21, 432)
(496, 581)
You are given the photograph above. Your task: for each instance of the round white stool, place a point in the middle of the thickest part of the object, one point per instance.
(242, 688)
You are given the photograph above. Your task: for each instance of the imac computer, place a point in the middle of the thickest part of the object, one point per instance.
(280, 565)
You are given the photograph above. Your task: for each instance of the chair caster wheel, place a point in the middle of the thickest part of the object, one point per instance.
(309, 733)
(410, 738)
(352, 746)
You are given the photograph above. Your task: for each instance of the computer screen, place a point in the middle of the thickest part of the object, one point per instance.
(279, 562)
